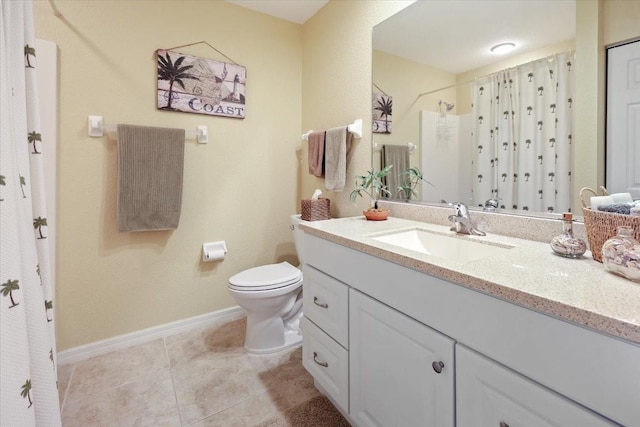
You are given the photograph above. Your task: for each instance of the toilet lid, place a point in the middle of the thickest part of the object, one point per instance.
(266, 277)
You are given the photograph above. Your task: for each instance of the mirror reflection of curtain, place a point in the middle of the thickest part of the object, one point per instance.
(28, 394)
(398, 156)
(523, 135)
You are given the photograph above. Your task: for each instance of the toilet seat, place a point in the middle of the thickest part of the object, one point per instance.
(266, 277)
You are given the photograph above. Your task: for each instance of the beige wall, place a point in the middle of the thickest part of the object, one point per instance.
(241, 187)
(620, 19)
(336, 84)
(404, 80)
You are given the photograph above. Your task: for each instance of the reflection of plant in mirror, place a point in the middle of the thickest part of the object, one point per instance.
(372, 185)
(413, 177)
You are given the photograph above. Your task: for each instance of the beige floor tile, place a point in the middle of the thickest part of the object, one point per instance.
(149, 402)
(204, 387)
(248, 413)
(114, 369)
(215, 382)
(223, 339)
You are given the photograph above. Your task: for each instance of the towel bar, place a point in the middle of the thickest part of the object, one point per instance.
(412, 147)
(97, 128)
(355, 128)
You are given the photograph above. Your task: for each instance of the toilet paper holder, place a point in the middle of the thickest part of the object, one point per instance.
(214, 251)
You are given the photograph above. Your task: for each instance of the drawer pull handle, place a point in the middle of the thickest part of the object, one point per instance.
(503, 424)
(315, 301)
(437, 366)
(323, 364)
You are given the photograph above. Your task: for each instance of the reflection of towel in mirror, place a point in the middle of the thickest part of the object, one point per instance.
(150, 168)
(337, 145)
(316, 153)
(398, 156)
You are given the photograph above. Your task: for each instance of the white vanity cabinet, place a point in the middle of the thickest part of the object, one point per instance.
(501, 362)
(401, 372)
(325, 328)
(490, 395)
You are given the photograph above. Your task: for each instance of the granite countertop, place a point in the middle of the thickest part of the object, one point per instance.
(529, 274)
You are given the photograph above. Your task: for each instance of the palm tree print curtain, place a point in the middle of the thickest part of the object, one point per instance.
(28, 392)
(522, 136)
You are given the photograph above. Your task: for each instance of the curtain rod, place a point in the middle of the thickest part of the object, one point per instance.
(56, 12)
(546, 58)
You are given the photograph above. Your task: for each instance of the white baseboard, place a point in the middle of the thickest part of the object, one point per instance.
(83, 352)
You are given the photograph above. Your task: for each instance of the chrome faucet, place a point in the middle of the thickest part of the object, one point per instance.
(491, 205)
(462, 221)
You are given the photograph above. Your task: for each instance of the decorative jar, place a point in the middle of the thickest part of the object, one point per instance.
(621, 254)
(565, 244)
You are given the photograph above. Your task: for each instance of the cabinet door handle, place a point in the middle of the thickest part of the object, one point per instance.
(323, 364)
(315, 301)
(437, 366)
(503, 424)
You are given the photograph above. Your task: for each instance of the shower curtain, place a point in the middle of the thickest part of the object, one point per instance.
(28, 391)
(522, 136)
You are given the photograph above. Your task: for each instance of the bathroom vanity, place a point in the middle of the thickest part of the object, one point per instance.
(396, 336)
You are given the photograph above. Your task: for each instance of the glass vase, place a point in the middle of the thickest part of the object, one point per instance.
(565, 244)
(621, 254)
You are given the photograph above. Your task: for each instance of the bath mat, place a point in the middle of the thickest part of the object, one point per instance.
(316, 412)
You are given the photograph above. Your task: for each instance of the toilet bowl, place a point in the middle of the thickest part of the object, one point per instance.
(272, 297)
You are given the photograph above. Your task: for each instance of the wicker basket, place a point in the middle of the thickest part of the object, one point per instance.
(601, 226)
(315, 210)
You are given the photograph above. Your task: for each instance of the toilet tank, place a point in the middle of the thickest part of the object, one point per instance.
(298, 237)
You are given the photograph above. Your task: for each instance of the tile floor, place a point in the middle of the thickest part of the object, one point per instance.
(198, 378)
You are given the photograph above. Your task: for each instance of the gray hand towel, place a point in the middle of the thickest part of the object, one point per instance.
(150, 168)
(398, 156)
(337, 144)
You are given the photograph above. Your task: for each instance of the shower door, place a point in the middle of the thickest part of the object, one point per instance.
(623, 119)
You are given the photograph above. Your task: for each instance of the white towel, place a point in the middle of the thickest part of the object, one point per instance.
(337, 145)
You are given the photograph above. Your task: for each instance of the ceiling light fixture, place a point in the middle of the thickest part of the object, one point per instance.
(503, 48)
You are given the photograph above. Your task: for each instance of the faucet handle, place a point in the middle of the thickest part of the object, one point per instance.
(461, 209)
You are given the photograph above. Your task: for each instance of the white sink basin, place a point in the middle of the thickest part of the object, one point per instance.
(459, 248)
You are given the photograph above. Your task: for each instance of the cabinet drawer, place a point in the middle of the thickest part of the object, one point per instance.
(326, 303)
(327, 362)
(489, 395)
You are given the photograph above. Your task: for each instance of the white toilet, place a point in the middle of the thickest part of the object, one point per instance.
(272, 296)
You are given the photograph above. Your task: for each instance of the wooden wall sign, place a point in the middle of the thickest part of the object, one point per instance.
(200, 85)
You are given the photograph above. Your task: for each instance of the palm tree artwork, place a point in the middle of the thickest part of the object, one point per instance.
(7, 290)
(383, 109)
(34, 137)
(39, 223)
(29, 51)
(25, 391)
(174, 73)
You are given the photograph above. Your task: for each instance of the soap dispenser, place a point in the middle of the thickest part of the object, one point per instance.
(565, 244)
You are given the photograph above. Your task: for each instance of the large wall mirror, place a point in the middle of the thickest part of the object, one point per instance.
(478, 125)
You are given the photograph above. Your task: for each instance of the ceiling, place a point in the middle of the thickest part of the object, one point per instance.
(454, 36)
(297, 11)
